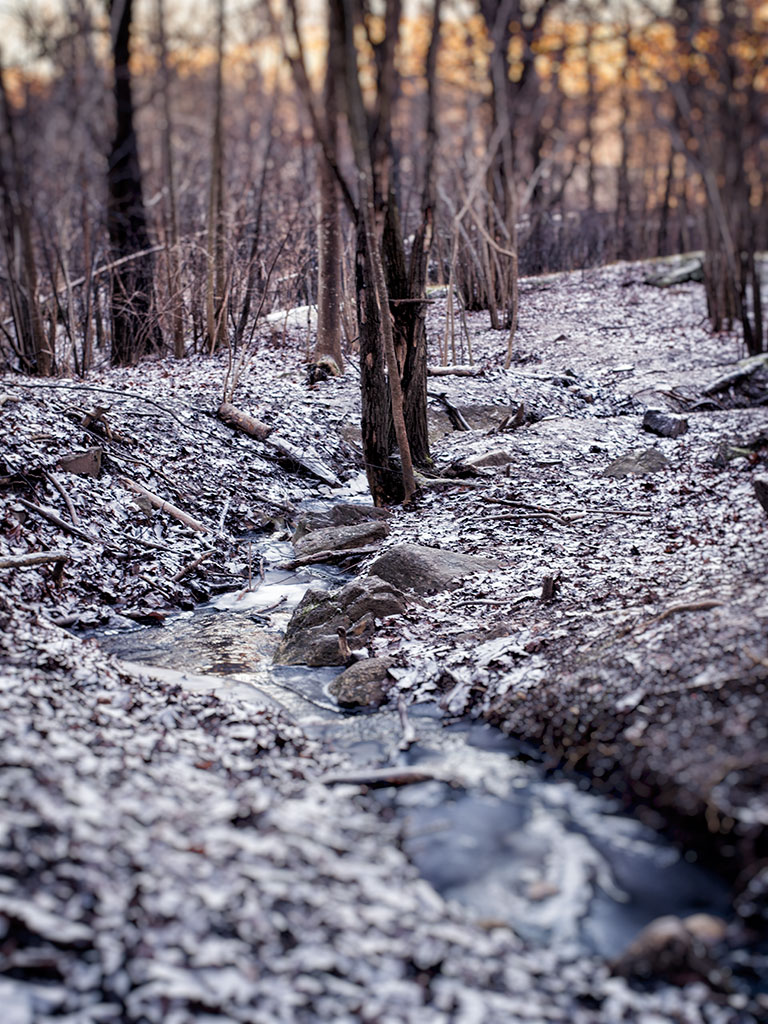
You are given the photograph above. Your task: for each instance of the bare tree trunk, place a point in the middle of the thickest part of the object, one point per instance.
(622, 224)
(135, 329)
(370, 265)
(215, 285)
(328, 339)
(415, 362)
(35, 351)
(501, 269)
(171, 207)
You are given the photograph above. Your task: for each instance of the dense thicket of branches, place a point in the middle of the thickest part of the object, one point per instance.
(169, 201)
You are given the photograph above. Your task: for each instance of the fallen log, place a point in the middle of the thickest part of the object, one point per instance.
(455, 415)
(239, 420)
(312, 466)
(163, 505)
(32, 558)
(454, 371)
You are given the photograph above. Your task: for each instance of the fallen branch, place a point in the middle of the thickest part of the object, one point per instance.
(33, 558)
(687, 606)
(455, 371)
(62, 524)
(106, 391)
(67, 500)
(322, 557)
(409, 733)
(437, 483)
(455, 415)
(163, 505)
(191, 566)
(238, 420)
(311, 466)
(519, 517)
(567, 511)
(378, 778)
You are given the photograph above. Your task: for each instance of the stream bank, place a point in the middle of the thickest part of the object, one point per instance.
(658, 609)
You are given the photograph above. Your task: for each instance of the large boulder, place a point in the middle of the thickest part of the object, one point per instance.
(424, 570)
(312, 634)
(363, 684)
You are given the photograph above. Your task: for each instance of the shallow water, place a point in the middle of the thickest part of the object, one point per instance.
(559, 864)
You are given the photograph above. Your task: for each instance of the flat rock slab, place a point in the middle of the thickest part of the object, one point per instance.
(639, 463)
(343, 514)
(362, 684)
(424, 570)
(496, 459)
(341, 538)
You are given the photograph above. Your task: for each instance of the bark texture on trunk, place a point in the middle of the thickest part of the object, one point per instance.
(135, 328)
(328, 340)
(34, 350)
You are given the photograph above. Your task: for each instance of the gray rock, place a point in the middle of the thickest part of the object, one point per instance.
(760, 483)
(371, 595)
(495, 458)
(422, 569)
(343, 514)
(639, 463)
(363, 684)
(672, 947)
(663, 424)
(341, 538)
(691, 270)
(311, 637)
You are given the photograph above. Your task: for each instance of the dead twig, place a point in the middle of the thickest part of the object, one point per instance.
(163, 505)
(32, 558)
(67, 500)
(331, 557)
(378, 778)
(191, 566)
(686, 606)
(52, 517)
(409, 733)
(107, 391)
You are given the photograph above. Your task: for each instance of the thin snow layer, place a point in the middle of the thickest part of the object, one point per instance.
(167, 855)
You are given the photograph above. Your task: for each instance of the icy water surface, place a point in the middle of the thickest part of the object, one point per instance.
(559, 864)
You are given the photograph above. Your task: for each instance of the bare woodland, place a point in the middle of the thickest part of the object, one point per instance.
(383, 619)
(165, 184)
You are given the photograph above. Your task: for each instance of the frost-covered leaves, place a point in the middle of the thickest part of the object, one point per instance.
(168, 856)
(606, 675)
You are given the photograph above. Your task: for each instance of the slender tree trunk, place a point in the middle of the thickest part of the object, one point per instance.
(35, 350)
(415, 364)
(135, 328)
(371, 269)
(172, 251)
(328, 339)
(216, 277)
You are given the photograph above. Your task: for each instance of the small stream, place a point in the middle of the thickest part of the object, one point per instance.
(558, 863)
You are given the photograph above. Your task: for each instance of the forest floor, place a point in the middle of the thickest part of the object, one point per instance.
(172, 856)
